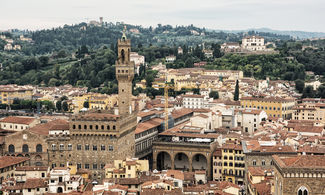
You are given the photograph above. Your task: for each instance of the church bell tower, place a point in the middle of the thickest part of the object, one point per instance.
(124, 75)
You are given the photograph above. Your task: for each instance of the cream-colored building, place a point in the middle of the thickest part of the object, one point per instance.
(314, 84)
(210, 120)
(129, 168)
(253, 43)
(10, 92)
(102, 102)
(138, 60)
(309, 111)
(8, 47)
(274, 107)
(251, 120)
(28, 172)
(18, 123)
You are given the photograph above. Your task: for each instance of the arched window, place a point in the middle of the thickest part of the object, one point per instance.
(25, 148)
(39, 148)
(11, 148)
(53, 147)
(122, 55)
(303, 191)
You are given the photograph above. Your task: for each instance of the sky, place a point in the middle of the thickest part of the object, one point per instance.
(304, 15)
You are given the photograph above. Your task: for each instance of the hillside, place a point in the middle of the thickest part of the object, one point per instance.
(69, 38)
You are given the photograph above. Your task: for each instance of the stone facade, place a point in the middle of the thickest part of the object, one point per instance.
(124, 75)
(97, 138)
(28, 144)
(299, 177)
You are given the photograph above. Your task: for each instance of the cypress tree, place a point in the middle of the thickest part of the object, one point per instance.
(236, 95)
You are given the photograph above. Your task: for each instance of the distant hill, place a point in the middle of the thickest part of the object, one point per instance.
(69, 38)
(293, 34)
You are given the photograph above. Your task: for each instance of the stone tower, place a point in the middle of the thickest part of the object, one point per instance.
(124, 75)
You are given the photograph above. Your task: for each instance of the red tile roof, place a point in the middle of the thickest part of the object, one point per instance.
(35, 183)
(18, 120)
(256, 171)
(44, 128)
(152, 123)
(302, 161)
(6, 161)
(181, 112)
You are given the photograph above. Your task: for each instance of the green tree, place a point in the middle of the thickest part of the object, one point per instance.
(300, 85)
(236, 95)
(54, 82)
(214, 94)
(65, 106)
(308, 92)
(149, 79)
(86, 104)
(321, 91)
(48, 105)
(58, 105)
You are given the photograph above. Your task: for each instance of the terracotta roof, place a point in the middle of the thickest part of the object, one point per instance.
(263, 188)
(313, 129)
(312, 149)
(232, 146)
(201, 110)
(301, 161)
(44, 128)
(117, 186)
(175, 174)
(152, 123)
(202, 116)
(144, 114)
(181, 112)
(256, 171)
(35, 183)
(6, 161)
(18, 120)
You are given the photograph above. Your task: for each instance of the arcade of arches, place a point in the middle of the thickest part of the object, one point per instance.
(185, 161)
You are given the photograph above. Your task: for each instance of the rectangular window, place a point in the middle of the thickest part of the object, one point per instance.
(94, 166)
(102, 166)
(94, 147)
(102, 147)
(110, 147)
(79, 147)
(86, 166)
(86, 147)
(70, 147)
(78, 166)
